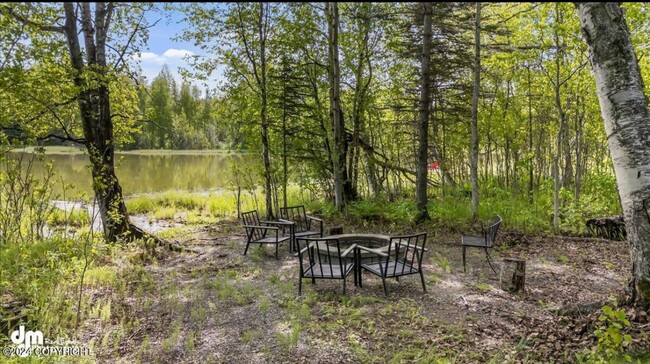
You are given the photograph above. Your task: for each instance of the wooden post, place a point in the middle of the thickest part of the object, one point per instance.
(513, 274)
(336, 230)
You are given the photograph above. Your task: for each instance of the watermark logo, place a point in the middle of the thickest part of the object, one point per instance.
(25, 340)
(32, 343)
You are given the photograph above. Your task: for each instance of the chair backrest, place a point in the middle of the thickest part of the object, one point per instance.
(320, 253)
(253, 219)
(407, 249)
(296, 214)
(491, 231)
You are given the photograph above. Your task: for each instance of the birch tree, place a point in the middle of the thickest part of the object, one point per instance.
(625, 112)
(91, 71)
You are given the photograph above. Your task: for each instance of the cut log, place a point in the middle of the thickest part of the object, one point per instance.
(513, 274)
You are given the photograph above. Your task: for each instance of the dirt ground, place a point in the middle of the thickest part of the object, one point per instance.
(216, 306)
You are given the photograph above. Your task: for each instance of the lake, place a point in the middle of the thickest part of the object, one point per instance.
(146, 171)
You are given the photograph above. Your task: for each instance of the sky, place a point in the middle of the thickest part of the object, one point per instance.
(161, 49)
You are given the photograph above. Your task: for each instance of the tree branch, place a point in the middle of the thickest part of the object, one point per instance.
(48, 28)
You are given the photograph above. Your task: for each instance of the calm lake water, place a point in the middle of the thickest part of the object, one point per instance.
(146, 173)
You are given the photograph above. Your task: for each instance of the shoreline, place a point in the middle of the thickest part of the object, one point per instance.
(81, 150)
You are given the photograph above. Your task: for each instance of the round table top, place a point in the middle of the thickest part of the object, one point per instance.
(374, 241)
(360, 238)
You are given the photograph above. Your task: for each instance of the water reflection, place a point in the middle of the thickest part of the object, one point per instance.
(143, 173)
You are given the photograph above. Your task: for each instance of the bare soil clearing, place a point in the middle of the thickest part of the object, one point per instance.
(220, 306)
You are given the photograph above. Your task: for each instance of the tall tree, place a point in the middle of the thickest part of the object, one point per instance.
(423, 121)
(475, 96)
(336, 115)
(92, 72)
(246, 29)
(624, 108)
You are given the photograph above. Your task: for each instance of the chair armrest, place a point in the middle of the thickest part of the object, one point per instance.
(348, 250)
(319, 221)
(377, 252)
(301, 252)
(261, 227)
(278, 222)
(314, 218)
(415, 247)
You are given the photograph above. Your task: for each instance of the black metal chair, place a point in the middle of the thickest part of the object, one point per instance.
(304, 225)
(321, 258)
(264, 232)
(485, 241)
(403, 257)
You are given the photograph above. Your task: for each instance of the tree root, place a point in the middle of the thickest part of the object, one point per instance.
(137, 233)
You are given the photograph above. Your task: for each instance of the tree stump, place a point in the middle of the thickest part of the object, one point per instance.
(336, 230)
(513, 274)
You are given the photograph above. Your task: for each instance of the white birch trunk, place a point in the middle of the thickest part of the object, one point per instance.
(627, 123)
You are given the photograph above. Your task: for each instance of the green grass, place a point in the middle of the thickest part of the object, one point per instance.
(104, 275)
(561, 258)
(441, 261)
(75, 217)
(483, 287)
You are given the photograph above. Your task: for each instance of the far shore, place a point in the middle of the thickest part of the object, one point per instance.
(81, 150)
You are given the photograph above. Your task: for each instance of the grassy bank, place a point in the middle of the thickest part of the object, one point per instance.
(450, 212)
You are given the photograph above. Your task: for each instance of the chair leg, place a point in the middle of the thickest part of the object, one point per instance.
(344, 279)
(424, 287)
(276, 250)
(489, 259)
(464, 266)
(300, 285)
(247, 244)
(383, 280)
(360, 280)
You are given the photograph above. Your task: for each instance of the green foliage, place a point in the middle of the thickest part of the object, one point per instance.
(380, 211)
(612, 342)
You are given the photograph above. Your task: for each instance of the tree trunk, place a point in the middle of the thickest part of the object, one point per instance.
(284, 140)
(423, 122)
(263, 115)
(560, 136)
(475, 94)
(360, 90)
(332, 14)
(624, 109)
(95, 112)
(530, 140)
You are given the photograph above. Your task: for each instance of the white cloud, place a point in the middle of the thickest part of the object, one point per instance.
(177, 53)
(149, 57)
